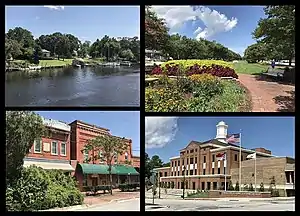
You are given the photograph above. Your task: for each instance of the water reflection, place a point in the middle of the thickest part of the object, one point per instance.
(100, 86)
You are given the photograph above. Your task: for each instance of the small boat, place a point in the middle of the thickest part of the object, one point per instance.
(34, 67)
(126, 63)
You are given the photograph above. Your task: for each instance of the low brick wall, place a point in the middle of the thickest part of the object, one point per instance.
(225, 194)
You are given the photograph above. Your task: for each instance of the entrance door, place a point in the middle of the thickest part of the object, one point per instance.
(94, 181)
(208, 185)
(194, 185)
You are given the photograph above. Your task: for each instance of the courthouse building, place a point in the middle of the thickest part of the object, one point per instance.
(198, 164)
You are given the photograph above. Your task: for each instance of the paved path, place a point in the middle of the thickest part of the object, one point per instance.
(123, 205)
(269, 96)
(207, 205)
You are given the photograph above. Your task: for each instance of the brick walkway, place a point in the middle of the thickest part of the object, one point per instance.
(269, 96)
(105, 198)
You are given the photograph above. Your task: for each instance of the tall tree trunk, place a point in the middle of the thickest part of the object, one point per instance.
(110, 181)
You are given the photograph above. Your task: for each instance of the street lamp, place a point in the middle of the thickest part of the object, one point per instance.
(183, 182)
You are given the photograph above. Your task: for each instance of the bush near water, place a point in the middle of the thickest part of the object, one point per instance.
(189, 67)
(40, 189)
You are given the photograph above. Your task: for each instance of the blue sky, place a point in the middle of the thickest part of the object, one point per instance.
(87, 23)
(166, 136)
(229, 25)
(122, 124)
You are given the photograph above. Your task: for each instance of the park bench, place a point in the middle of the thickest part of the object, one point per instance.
(273, 73)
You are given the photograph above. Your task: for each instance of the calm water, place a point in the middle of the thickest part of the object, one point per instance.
(90, 86)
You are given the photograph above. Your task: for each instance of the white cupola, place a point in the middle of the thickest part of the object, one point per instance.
(221, 131)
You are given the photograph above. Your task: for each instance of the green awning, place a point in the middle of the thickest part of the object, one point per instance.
(96, 169)
(103, 169)
(125, 170)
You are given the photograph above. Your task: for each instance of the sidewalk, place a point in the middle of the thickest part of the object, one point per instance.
(245, 199)
(92, 201)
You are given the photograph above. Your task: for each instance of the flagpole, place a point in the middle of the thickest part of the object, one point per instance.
(255, 171)
(225, 163)
(240, 167)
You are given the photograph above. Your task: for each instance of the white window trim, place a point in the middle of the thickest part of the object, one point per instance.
(39, 152)
(52, 147)
(65, 149)
(85, 155)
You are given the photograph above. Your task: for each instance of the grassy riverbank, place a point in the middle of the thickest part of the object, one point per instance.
(51, 63)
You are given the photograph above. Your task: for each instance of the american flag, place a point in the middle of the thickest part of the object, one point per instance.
(233, 138)
(221, 156)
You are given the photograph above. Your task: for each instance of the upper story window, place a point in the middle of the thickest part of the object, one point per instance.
(54, 148)
(204, 159)
(63, 149)
(160, 174)
(175, 163)
(85, 155)
(126, 156)
(213, 158)
(235, 157)
(179, 163)
(191, 160)
(187, 161)
(37, 146)
(196, 150)
(192, 151)
(172, 163)
(195, 160)
(166, 174)
(187, 151)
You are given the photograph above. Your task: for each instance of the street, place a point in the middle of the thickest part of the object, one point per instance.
(210, 205)
(122, 205)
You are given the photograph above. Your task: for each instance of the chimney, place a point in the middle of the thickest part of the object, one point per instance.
(221, 131)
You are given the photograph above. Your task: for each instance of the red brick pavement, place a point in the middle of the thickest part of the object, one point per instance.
(105, 198)
(269, 96)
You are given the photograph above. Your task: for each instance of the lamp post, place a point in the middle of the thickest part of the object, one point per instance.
(183, 182)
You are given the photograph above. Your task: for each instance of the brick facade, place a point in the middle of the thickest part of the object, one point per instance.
(53, 135)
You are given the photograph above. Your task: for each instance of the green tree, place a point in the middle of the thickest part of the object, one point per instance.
(278, 29)
(23, 36)
(22, 129)
(12, 48)
(166, 164)
(62, 47)
(110, 146)
(127, 54)
(156, 31)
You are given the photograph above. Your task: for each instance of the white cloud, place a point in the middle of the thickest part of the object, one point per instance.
(159, 131)
(52, 7)
(214, 21)
(198, 30)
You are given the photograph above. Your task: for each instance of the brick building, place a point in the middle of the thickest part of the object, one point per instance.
(198, 165)
(52, 151)
(96, 172)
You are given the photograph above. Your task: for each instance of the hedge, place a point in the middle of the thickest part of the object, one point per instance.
(127, 187)
(39, 189)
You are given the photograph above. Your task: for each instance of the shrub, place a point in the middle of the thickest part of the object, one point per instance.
(39, 189)
(237, 186)
(262, 188)
(127, 187)
(230, 186)
(251, 187)
(164, 100)
(233, 99)
(190, 67)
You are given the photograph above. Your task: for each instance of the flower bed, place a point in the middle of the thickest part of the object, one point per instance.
(190, 67)
(196, 93)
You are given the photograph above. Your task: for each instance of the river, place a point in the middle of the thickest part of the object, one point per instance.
(89, 86)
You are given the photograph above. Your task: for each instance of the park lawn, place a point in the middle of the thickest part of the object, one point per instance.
(243, 67)
(53, 63)
(249, 68)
